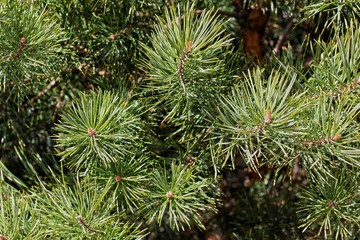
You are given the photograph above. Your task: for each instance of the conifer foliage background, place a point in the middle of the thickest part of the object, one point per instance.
(179, 120)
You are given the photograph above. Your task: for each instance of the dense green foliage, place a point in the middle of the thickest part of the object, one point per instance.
(179, 120)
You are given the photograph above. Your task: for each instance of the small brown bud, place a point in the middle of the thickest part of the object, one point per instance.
(190, 161)
(337, 137)
(267, 118)
(82, 222)
(2, 237)
(91, 132)
(117, 178)
(342, 89)
(247, 182)
(190, 44)
(331, 204)
(162, 124)
(113, 36)
(101, 72)
(22, 40)
(169, 194)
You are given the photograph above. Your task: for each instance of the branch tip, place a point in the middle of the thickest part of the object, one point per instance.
(91, 132)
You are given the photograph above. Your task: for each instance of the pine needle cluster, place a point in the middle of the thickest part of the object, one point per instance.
(117, 123)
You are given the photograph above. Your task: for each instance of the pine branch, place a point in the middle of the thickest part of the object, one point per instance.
(82, 209)
(178, 197)
(185, 65)
(20, 50)
(259, 120)
(30, 41)
(101, 126)
(58, 102)
(283, 35)
(52, 84)
(130, 180)
(329, 203)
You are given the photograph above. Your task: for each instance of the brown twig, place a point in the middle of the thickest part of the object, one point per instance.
(182, 61)
(129, 29)
(58, 102)
(22, 43)
(84, 224)
(43, 92)
(283, 35)
(340, 91)
(321, 141)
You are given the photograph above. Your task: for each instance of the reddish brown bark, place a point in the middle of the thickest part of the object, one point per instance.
(252, 20)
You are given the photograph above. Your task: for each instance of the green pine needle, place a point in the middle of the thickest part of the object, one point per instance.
(259, 119)
(82, 210)
(185, 63)
(331, 204)
(177, 198)
(99, 127)
(130, 179)
(30, 44)
(19, 217)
